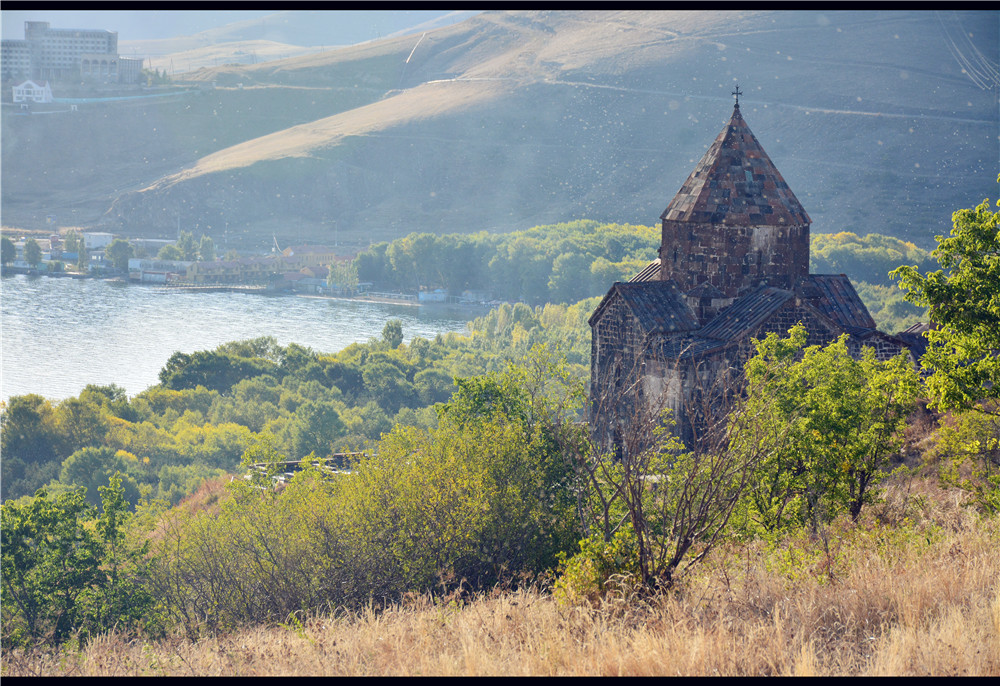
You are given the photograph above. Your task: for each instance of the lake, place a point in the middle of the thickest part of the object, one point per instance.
(60, 334)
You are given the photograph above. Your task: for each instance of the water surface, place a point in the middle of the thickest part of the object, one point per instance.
(60, 334)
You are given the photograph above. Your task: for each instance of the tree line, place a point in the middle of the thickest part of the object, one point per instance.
(559, 263)
(568, 262)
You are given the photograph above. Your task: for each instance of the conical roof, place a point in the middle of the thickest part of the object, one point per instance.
(737, 184)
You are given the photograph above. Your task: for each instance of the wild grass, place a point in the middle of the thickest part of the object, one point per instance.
(912, 589)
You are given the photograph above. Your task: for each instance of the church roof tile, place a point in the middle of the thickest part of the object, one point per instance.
(736, 183)
(834, 296)
(651, 272)
(746, 313)
(658, 305)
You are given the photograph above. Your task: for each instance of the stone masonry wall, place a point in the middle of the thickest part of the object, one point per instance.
(734, 259)
(615, 363)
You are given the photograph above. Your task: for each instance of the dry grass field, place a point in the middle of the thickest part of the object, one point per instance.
(911, 590)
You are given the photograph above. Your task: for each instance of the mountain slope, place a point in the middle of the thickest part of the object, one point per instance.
(512, 119)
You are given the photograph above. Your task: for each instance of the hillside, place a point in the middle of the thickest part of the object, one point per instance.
(281, 35)
(880, 122)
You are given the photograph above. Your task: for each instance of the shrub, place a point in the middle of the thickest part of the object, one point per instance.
(67, 570)
(589, 574)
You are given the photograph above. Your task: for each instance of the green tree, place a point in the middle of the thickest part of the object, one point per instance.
(433, 386)
(30, 445)
(93, 467)
(171, 253)
(570, 278)
(489, 492)
(829, 424)
(112, 399)
(175, 482)
(206, 249)
(214, 370)
(155, 77)
(71, 242)
(80, 423)
(32, 252)
(118, 253)
(460, 262)
(964, 301)
(374, 265)
(392, 333)
(966, 447)
(343, 276)
(83, 258)
(187, 246)
(387, 384)
(8, 251)
(867, 259)
(67, 570)
(414, 259)
(123, 599)
(316, 427)
(49, 560)
(28, 429)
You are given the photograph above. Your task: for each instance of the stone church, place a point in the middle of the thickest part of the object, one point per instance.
(733, 265)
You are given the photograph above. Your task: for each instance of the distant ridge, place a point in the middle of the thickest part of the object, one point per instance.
(284, 34)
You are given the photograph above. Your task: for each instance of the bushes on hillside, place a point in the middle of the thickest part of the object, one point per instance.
(499, 489)
(485, 496)
(869, 258)
(68, 571)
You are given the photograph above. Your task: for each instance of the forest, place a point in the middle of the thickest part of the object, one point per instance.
(473, 485)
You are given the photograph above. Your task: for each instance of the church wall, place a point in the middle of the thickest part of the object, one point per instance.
(688, 386)
(616, 361)
(885, 348)
(819, 331)
(734, 259)
(664, 386)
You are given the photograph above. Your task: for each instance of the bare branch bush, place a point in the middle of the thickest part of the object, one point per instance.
(676, 496)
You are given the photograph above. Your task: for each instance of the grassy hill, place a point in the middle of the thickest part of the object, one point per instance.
(879, 121)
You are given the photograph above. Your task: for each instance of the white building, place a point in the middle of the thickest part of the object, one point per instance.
(95, 240)
(29, 91)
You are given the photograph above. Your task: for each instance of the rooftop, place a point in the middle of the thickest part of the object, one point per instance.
(736, 183)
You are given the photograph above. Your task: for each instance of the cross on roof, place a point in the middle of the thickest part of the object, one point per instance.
(737, 93)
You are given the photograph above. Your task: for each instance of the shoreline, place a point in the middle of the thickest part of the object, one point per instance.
(252, 290)
(392, 301)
